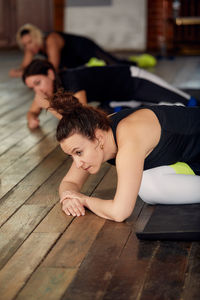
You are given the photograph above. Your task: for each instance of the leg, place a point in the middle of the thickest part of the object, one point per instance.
(162, 185)
(90, 49)
(151, 88)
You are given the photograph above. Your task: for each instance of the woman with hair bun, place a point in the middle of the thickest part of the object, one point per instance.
(101, 84)
(63, 50)
(156, 150)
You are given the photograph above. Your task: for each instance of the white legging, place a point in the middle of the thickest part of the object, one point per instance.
(162, 185)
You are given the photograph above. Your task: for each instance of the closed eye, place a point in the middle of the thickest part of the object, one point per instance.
(37, 82)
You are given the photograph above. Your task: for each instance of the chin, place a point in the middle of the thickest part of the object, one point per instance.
(94, 170)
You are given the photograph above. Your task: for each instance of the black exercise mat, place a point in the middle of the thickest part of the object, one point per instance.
(170, 222)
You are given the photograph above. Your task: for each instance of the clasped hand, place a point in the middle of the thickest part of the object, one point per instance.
(73, 203)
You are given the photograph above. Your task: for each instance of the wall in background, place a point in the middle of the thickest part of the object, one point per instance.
(114, 24)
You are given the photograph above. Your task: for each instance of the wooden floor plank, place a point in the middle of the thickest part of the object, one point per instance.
(23, 263)
(99, 264)
(26, 163)
(24, 145)
(72, 247)
(9, 106)
(47, 283)
(13, 200)
(18, 228)
(192, 282)
(15, 114)
(166, 275)
(128, 279)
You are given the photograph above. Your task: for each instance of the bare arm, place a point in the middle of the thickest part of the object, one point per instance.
(28, 56)
(129, 163)
(72, 182)
(33, 114)
(129, 169)
(54, 45)
(82, 97)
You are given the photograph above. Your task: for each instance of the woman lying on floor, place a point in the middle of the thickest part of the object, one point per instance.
(63, 50)
(119, 83)
(145, 144)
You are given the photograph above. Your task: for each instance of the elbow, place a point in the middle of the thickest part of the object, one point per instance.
(121, 216)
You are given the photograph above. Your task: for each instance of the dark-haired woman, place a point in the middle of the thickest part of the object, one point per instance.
(145, 144)
(102, 84)
(63, 50)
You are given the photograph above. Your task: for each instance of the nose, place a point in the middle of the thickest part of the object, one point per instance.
(39, 91)
(78, 163)
(36, 89)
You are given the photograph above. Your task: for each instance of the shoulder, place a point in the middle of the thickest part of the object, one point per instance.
(141, 127)
(54, 37)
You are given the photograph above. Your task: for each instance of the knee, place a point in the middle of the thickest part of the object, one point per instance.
(148, 187)
(151, 186)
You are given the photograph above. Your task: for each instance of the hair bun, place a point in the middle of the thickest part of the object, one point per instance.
(64, 102)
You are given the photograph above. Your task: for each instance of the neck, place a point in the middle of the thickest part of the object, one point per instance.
(110, 148)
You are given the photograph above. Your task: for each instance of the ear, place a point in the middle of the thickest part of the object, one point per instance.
(51, 74)
(99, 135)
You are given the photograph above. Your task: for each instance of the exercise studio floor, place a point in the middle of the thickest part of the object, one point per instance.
(47, 255)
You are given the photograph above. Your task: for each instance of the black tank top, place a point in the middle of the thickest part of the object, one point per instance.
(180, 136)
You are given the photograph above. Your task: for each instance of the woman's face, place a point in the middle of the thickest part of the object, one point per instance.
(86, 154)
(30, 44)
(41, 84)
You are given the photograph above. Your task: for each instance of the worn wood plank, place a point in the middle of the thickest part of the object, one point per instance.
(26, 163)
(47, 283)
(24, 262)
(14, 199)
(107, 187)
(24, 145)
(17, 93)
(15, 114)
(128, 279)
(14, 137)
(17, 229)
(100, 263)
(22, 99)
(72, 247)
(166, 275)
(192, 282)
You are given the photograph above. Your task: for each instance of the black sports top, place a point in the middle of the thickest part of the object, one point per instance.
(116, 83)
(78, 50)
(100, 83)
(180, 136)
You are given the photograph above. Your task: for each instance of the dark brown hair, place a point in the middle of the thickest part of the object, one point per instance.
(37, 67)
(77, 118)
(41, 67)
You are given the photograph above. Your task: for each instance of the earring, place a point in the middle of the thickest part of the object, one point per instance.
(101, 146)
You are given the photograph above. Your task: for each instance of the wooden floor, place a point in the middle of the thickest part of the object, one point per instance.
(45, 254)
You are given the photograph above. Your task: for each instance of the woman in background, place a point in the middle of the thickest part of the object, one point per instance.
(63, 50)
(102, 84)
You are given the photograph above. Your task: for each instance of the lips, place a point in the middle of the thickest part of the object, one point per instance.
(86, 169)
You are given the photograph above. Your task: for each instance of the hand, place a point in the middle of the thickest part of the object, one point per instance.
(33, 123)
(15, 73)
(73, 203)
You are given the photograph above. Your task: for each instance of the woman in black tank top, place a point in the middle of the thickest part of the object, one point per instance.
(63, 50)
(145, 144)
(100, 84)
